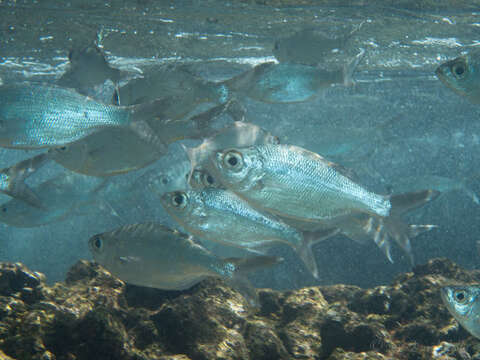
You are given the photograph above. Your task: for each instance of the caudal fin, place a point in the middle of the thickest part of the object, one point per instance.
(242, 267)
(350, 68)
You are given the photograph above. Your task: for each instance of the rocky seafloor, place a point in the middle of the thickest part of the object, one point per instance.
(94, 315)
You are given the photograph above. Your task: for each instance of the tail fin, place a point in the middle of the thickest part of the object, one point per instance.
(13, 179)
(350, 68)
(243, 266)
(403, 203)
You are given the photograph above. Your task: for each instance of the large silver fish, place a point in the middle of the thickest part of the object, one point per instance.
(154, 255)
(463, 302)
(221, 216)
(297, 184)
(462, 75)
(36, 116)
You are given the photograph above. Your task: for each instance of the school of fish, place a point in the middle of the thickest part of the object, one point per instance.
(243, 187)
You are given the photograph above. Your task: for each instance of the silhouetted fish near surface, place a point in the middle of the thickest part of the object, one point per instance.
(154, 255)
(462, 75)
(295, 183)
(221, 216)
(12, 179)
(309, 46)
(88, 69)
(59, 197)
(287, 82)
(463, 302)
(37, 116)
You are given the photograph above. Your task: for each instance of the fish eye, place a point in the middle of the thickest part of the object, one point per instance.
(459, 69)
(460, 296)
(97, 243)
(179, 199)
(4, 209)
(63, 148)
(207, 179)
(233, 160)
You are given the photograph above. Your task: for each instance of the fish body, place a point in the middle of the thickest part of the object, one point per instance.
(36, 115)
(294, 182)
(154, 255)
(463, 302)
(221, 216)
(462, 75)
(59, 197)
(283, 83)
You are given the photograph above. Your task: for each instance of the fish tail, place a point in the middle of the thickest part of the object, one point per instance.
(403, 203)
(18, 173)
(350, 67)
(243, 266)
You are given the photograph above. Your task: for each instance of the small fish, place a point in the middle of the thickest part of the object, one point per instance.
(238, 134)
(309, 46)
(12, 179)
(295, 183)
(154, 255)
(59, 197)
(287, 82)
(461, 75)
(463, 302)
(88, 70)
(36, 116)
(221, 216)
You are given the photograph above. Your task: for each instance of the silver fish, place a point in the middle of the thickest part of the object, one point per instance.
(34, 116)
(154, 255)
(463, 302)
(295, 183)
(60, 197)
(287, 82)
(221, 216)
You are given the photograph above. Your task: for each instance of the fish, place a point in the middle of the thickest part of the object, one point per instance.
(463, 302)
(309, 46)
(89, 70)
(12, 179)
(292, 182)
(153, 255)
(60, 197)
(221, 216)
(461, 75)
(34, 116)
(238, 134)
(287, 82)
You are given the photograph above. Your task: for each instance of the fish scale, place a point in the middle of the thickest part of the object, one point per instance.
(38, 115)
(293, 182)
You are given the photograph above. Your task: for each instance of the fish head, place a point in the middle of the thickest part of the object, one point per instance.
(238, 169)
(201, 178)
(463, 302)
(459, 75)
(183, 205)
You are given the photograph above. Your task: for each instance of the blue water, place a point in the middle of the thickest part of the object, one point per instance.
(398, 122)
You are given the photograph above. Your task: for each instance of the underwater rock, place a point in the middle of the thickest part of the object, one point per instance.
(94, 315)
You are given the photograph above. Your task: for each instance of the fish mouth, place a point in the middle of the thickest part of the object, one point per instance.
(444, 294)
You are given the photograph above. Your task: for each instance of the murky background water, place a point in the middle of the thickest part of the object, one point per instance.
(398, 127)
